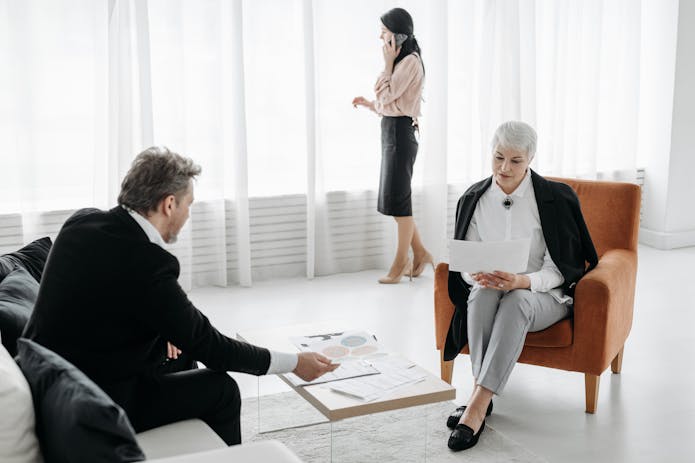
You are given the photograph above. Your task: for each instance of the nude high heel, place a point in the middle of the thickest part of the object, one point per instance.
(423, 263)
(406, 270)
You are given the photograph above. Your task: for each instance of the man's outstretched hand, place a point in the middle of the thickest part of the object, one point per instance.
(312, 365)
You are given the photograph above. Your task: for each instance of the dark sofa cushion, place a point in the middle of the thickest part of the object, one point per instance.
(18, 293)
(75, 420)
(32, 257)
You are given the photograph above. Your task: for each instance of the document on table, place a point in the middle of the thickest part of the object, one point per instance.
(342, 346)
(352, 369)
(352, 349)
(488, 256)
(396, 373)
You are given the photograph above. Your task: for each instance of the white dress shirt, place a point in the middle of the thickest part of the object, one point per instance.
(280, 362)
(493, 222)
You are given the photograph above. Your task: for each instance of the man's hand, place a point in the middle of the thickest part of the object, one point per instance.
(311, 365)
(173, 352)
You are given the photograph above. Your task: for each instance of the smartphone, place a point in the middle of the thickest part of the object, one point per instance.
(400, 38)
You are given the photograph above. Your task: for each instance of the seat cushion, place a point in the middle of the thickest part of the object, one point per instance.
(31, 257)
(75, 419)
(18, 293)
(18, 442)
(558, 335)
(179, 438)
(264, 451)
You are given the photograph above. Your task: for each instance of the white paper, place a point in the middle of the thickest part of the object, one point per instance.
(354, 369)
(342, 346)
(488, 256)
(396, 373)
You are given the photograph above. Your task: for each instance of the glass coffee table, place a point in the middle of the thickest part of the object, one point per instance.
(340, 411)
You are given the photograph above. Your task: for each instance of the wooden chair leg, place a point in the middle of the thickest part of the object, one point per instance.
(447, 367)
(591, 386)
(617, 363)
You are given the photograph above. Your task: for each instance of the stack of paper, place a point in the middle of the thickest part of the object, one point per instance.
(488, 256)
(342, 346)
(352, 369)
(396, 373)
(350, 349)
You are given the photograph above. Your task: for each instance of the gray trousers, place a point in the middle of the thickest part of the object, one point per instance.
(497, 325)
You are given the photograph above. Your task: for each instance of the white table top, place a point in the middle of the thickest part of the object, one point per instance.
(333, 405)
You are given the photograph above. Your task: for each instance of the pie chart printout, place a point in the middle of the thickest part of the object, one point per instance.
(342, 346)
(333, 352)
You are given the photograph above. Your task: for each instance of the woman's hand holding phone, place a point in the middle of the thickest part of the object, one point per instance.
(390, 51)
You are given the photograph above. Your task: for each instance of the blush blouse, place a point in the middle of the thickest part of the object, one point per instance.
(400, 92)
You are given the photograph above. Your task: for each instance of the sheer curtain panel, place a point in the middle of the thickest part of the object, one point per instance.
(258, 93)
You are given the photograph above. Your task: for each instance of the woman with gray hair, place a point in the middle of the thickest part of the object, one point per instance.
(494, 311)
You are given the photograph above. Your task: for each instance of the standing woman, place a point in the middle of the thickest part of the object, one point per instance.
(398, 93)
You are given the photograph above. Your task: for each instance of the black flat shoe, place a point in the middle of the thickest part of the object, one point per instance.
(462, 437)
(454, 418)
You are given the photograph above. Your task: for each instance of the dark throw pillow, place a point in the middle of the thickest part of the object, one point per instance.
(18, 293)
(75, 420)
(32, 257)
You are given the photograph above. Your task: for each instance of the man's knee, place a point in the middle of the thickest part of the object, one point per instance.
(230, 392)
(224, 417)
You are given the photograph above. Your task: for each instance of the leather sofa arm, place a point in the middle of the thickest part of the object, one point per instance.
(603, 310)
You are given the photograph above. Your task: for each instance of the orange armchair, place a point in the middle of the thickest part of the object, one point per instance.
(603, 299)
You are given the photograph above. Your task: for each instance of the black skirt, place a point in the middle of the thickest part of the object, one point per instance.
(398, 152)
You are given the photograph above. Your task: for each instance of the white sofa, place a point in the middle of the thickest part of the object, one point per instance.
(194, 441)
(190, 441)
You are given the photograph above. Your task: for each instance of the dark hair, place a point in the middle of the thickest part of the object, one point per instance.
(399, 21)
(155, 174)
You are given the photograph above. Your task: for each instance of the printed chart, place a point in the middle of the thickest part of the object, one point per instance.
(353, 350)
(342, 346)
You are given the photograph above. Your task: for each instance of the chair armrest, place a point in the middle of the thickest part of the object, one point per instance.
(603, 308)
(443, 307)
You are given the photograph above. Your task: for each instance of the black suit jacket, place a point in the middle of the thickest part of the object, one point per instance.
(109, 300)
(566, 237)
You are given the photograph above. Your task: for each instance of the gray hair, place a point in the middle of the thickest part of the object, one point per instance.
(516, 135)
(155, 174)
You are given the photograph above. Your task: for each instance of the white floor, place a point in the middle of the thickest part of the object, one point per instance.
(645, 414)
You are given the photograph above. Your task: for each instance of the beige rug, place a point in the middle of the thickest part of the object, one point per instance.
(413, 434)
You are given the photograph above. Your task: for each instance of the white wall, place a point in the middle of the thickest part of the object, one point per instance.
(669, 125)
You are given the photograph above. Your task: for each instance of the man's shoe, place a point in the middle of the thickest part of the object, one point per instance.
(463, 438)
(454, 418)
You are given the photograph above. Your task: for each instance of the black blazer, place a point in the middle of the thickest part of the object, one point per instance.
(109, 301)
(566, 237)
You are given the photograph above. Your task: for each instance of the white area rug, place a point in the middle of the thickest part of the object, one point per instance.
(413, 434)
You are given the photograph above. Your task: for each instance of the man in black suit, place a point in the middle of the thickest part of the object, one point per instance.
(110, 303)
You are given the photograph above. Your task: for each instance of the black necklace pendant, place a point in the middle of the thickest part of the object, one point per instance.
(507, 203)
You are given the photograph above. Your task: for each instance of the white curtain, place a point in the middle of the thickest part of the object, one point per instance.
(53, 104)
(258, 93)
(571, 69)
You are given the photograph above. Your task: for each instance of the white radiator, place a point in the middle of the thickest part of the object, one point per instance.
(11, 237)
(360, 237)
